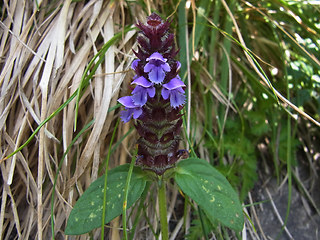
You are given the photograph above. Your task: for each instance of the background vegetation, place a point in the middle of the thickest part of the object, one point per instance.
(252, 71)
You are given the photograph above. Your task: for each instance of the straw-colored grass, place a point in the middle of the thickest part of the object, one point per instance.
(44, 52)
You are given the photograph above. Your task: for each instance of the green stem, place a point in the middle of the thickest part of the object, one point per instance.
(140, 211)
(106, 182)
(163, 210)
(125, 197)
(204, 230)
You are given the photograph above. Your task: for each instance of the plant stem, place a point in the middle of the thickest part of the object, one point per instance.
(163, 210)
(125, 197)
(106, 182)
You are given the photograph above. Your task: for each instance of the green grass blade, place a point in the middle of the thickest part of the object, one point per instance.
(116, 145)
(182, 25)
(106, 182)
(125, 198)
(204, 8)
(204, 230)
(140, 209)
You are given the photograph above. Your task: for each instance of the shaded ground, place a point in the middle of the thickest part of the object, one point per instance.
(303, 221)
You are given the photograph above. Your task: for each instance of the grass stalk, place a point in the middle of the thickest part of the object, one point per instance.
(203, 227)
(125, 197)
(106, 182)
(140, 210)
(289, 148)
(163, 210)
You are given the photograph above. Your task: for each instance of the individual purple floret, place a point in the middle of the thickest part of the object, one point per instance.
(142, 90)
(174, 90)
(134, 64)
(156, 67)
(130, 109)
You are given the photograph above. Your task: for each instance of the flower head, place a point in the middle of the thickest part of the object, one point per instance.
(156, 67)
(142, 90)
(131, 109)
(157, 98)
(174, 90)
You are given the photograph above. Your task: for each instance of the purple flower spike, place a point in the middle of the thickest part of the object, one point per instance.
(174, 90)
(130, 109)
(142, 90)
(156, 67)
(157, 97)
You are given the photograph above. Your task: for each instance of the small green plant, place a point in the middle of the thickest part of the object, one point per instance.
(156, 104)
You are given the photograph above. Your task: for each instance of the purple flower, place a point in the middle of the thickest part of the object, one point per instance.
(174, 90)
(157, 97)
(134, 64)
(156, 67)
(178, 65)
(142, 90)
(130, 109)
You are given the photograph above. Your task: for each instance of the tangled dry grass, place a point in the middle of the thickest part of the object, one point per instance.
(44, 52)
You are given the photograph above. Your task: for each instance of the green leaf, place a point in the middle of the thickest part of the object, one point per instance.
(211, 191)
(87, 212)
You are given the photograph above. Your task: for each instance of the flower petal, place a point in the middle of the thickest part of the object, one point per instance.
(156, 56)
(148, 67)
(178, 65)
(174, 84)
(134, 64)
(142, 81)
(165, 93)
(157, 75)
(179, 89)
(139, 96)
(166, 67)
(151, 91)
(127, 102)
(137, 112)
(177, 99)
(126, 115)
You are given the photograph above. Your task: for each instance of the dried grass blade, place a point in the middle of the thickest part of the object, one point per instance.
(58, 170)
(40, 126)
(87, 152)
(3, 207)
